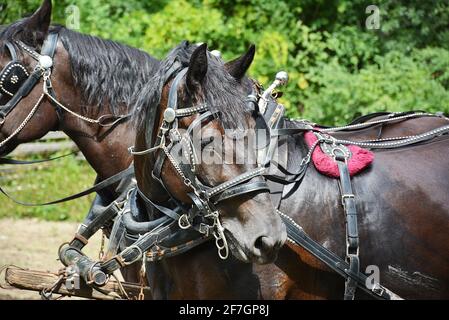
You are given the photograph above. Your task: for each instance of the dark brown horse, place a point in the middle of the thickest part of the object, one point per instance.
(401, 200)
(403, 208)
(92, 77)
(250, 221)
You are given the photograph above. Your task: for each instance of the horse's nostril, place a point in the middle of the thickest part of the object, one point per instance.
(264, 243)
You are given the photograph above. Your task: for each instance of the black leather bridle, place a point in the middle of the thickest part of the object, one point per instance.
(203, 216)
(16, 81)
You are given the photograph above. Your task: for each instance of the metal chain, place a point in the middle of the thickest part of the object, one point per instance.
(96, 121)
(103, 238)
(48, 80)
(220, 238)
(47, 293)
(307, 158)
(365, 124)
(142, 275)
(25, 122)
(175, 164)
(396, 143)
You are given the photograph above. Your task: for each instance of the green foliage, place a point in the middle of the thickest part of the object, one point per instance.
(337, 67)
(395, 82)
(46, 182)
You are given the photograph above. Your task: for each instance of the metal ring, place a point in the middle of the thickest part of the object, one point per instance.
(338, 148)
(184, 222)
(223, 243)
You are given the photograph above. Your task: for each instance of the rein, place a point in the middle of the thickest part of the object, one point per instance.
(95, 188)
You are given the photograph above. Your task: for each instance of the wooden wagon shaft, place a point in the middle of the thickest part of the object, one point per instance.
(38, 280)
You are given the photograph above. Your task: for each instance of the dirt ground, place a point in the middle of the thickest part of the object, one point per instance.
(33, 244)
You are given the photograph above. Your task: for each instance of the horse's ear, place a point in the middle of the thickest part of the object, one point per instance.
(37, 25)
(197, 67)
(238, 67)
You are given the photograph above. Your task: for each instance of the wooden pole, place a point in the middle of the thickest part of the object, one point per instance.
(38, 281)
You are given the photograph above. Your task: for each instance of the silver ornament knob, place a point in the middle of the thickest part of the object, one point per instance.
(45, 62)
(282, 77)
(169, 115)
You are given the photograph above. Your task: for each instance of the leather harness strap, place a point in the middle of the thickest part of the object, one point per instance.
(26, 162)
(352, 235)
(97, 187)
(299, 237)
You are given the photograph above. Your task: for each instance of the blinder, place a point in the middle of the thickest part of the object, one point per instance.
(271, 119)
(16, 81)
(13, 75)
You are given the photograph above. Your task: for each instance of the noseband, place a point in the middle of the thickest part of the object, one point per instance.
(203, 214)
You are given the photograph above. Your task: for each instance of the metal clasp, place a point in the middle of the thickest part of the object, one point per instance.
(339, 149)
(346, 196)
(130, 248)
(377, 289)
(205, 229)
(184, 222)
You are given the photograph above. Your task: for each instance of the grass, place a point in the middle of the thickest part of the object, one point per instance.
(46, 182)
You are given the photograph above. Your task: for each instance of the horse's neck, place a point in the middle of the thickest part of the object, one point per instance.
(106, 151)
(105, 148)
(315, 204)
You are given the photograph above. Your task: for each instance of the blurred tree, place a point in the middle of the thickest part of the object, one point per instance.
(338, 68)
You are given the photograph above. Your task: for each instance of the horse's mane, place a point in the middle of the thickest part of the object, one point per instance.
(108, 73)
(222, 93)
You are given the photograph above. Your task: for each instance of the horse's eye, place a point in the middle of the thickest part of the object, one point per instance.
(206, 141)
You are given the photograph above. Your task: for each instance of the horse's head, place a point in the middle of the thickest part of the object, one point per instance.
(16, 67)
(204, 109)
